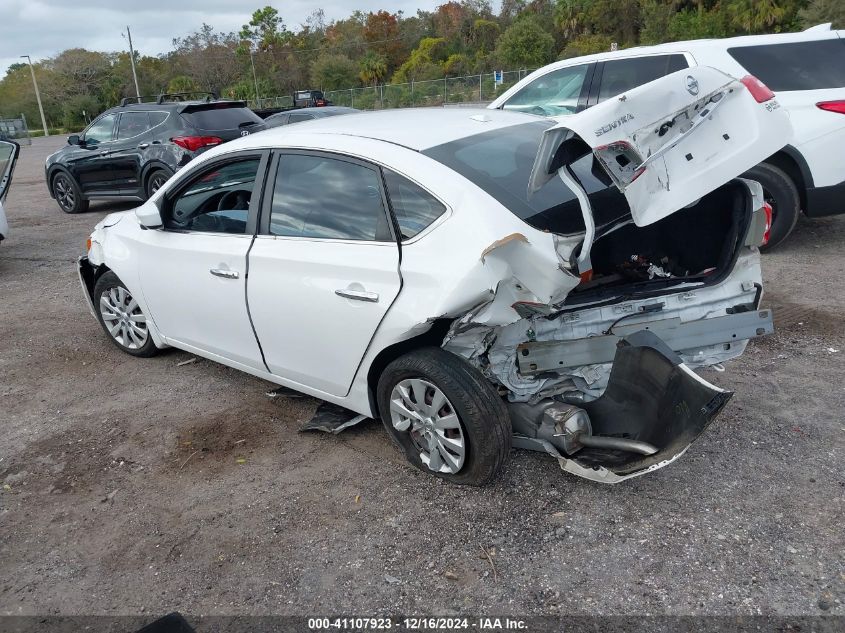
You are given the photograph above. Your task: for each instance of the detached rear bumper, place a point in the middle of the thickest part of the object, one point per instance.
(652, 399)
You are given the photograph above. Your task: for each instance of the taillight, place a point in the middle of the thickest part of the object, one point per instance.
(757, 88)
(767, 208)
(832, 106)
(193, 143)
(88, 245)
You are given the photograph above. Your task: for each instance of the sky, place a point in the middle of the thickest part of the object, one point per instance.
(43, 28)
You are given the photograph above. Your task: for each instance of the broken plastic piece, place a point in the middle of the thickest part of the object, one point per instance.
(332, 418)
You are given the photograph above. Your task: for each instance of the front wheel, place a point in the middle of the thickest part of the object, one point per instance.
(445, 416)
(121, 317)
(67, 194)
(781, 193)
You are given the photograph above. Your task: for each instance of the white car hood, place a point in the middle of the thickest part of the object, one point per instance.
(693, 131)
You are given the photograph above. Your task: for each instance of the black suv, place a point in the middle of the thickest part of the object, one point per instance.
(131, 150)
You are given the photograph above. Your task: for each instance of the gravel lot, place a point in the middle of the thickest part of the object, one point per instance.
(141, 486)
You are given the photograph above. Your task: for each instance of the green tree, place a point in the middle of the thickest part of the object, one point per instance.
(331, 72)
(821, 11)
(423, 62)
(373, 69)
(265, 30)
(525, 44)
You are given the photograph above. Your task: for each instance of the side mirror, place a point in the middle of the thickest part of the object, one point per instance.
(73, 139)
(148, 215)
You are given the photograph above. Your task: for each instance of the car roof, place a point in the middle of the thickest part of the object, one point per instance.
(820, 32)
(414, 128)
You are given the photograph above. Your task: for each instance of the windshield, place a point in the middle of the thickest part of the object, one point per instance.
(500, 163)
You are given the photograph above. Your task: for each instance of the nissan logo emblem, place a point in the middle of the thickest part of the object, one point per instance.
(692, 85)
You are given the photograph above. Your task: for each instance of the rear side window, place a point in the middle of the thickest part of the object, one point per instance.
(322, 197)
(413, 206)
(621, 75)
(552, 94)
(156, 118)
(132, 124)
(215, 117)
(796, 66)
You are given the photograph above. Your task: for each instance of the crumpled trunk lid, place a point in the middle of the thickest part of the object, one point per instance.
(669, 142)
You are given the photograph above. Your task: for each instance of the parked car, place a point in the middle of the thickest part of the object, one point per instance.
(131, 150)
(310, 99)
(805, 70)
(474, 278)
(9, 151)
(306, 114)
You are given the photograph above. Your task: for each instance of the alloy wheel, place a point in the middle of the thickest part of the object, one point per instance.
(421, 409)
(123, 318)
(156, 183)
(65, 195)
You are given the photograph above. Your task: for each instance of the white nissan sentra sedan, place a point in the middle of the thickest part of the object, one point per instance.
(477, 279)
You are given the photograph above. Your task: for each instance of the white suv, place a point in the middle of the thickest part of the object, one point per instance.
(806, 70)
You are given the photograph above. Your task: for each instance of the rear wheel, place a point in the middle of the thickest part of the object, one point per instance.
(68, 195)
(155, 181)
(781, 193)
(445, 416)
(121, 317)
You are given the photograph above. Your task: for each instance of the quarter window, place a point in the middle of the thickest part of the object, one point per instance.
(415, 208)
(132, 124)
(101, 130)
(796, 66)
(552, 94)
(321, 197)
(216, 201)
(296, 118)
(621, 75)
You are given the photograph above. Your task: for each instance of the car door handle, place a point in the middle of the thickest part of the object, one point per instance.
(358, 295)
(143, 145)
(226, 274)
(104, 152)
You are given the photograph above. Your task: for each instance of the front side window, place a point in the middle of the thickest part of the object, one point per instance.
(132, 124)
(413, 206)
(101, 130)
(621, 75)
(216, 201)
(552, 94)
(797, 66)
(322, 197)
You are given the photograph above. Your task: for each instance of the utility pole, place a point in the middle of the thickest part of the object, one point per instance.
(132, 61)
(254, 78)
(37, 95)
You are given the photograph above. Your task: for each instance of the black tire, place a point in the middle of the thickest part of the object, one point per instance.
(781, 192)
(155, 180)
(481, 412)
(67, 194)
(107, 283)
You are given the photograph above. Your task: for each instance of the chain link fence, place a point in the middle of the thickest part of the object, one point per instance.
(471, 89)
(16, 130)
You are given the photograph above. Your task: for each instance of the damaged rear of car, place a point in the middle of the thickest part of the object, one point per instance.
(476, 279)
(657, 269)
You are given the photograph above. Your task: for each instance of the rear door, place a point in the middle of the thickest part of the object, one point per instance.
(615, 76)
(226, 120)
(324, 269)
(193, 271)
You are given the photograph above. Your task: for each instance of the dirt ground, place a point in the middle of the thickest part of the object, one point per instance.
(141, 486)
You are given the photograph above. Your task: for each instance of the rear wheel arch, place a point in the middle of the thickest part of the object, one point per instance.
(431, 338)
(790, 161)
(152, 168)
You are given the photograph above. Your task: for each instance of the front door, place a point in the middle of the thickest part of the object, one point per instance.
(90, 162)
(193, 272)
(324, 270)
